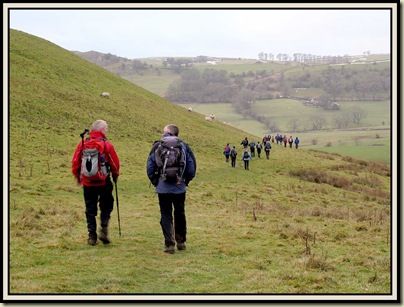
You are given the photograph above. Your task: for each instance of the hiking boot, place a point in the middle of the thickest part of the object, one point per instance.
(181, 246)
(169, 249)
(104, 235)
(92, 238)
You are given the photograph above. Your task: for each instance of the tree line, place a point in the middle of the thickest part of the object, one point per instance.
(337, 84)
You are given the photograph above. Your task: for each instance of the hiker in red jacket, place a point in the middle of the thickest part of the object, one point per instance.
(98, 189)
(226, 152)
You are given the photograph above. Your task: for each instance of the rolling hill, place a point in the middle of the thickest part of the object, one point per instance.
(302, 222)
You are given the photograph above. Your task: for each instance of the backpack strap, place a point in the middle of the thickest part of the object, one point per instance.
(154, 147)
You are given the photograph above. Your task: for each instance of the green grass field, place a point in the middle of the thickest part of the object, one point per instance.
(155, 83)
(302, 223)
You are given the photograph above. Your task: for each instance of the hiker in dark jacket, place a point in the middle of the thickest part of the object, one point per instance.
(252, 148)
(268, 149)
(246, 157)
(259, 148)
(290, 141)
(172, 194)
(98, 193)
(233, 156)
(244, 143)
(297, 142)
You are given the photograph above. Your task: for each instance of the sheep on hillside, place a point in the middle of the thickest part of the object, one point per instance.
(105, 95)
(208, 118)
(190, 109)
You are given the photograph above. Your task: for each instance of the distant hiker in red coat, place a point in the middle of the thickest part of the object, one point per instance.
(226, 152)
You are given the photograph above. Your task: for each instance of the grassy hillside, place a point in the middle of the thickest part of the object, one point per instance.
(302, 222)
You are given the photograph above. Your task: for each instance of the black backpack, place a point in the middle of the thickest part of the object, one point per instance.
(170, 159)
(233, 153)
(245, 154)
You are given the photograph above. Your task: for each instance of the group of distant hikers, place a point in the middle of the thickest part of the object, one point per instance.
(231, 152)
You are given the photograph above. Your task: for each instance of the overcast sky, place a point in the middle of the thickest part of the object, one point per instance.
(243, 32)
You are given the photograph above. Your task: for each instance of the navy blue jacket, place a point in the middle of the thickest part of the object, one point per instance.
(188, 174)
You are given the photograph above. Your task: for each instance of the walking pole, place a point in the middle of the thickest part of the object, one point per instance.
(117, 207)
(82, 136)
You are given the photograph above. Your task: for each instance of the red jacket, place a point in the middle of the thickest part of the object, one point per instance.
(111, 158)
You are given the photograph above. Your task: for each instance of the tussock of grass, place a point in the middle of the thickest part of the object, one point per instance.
(318, 176)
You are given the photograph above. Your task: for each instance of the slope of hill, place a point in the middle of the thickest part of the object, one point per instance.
(301, 222)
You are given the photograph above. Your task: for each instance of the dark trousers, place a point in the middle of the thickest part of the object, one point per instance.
(103, 196)
(259, 153)
(246, 164)
(267, 153)
(233, 161)
(173, 230)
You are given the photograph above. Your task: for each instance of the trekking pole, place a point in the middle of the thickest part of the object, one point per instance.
(82, 136)
(81, 151)
(117, 207)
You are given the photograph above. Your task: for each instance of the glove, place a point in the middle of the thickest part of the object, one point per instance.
(155, 179)
(186, 182)
(114, 178)
(155, 182)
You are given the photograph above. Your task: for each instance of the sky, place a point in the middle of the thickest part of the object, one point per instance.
(242, 32)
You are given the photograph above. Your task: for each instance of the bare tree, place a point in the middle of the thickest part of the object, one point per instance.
(261, 90)
(243, 99)
(358, 114)
(343, 120)
(294, 124)
(270, 124)
(317, 122)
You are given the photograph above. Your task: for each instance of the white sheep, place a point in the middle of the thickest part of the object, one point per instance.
(105, 95)
(208, 118)
(190, 109)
